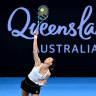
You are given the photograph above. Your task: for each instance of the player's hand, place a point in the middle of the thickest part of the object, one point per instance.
(35, 32)
(43, 82)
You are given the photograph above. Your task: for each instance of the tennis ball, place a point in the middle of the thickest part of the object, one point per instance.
(42, 9)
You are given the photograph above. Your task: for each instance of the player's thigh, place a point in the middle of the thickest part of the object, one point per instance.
(34, 94)
(24, 93)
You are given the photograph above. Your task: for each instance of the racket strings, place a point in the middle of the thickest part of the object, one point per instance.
(42, 16)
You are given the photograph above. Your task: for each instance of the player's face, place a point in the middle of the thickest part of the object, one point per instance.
(48, 60)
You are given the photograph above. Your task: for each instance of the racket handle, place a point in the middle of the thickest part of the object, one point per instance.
(37, 29)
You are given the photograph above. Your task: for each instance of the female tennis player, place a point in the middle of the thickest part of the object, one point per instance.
(39, 74)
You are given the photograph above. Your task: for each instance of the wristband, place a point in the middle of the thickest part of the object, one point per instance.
(35, 37)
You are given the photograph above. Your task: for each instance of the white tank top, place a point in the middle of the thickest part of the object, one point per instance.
(35, 76)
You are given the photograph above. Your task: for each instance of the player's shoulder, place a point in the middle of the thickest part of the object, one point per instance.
(49, 73)
(38, 64)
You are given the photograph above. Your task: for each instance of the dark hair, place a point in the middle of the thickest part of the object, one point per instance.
(51, 68)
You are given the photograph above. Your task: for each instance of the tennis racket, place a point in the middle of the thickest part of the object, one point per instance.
(43, 12)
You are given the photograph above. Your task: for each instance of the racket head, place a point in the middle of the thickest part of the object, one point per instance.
(43, 12)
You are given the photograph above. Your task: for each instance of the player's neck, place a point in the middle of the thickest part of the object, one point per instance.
(46, 66)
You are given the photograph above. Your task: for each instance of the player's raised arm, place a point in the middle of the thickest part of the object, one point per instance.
(35, 53)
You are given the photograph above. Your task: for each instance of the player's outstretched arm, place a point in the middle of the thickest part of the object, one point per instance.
(35, 53)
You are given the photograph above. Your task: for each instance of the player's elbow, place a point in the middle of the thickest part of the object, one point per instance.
(34, 48)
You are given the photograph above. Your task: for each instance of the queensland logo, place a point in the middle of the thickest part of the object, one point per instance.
(85, 31)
